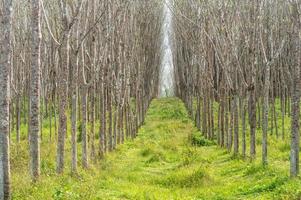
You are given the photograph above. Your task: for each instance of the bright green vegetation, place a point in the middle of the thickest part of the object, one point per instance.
(168, 160)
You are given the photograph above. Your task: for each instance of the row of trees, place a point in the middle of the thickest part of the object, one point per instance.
(243, 56)
(85, 62)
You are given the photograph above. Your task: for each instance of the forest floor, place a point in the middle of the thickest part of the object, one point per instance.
(168, 160)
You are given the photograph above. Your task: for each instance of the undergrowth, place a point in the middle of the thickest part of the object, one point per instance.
(169, 159)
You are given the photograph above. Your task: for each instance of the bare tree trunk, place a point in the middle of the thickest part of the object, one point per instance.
(230, 131)
(115, 116)
(35, 92)
(198, 113)
(222, 121)
(294, 155)
(265, 111)
(18, 115)
(63, 87)
(5, 65)
(218, 125)
(84, 128)
(236, 125)
(74, 132)
(226, 123)
(282, 114)
(209, 133)
(63, 98)
(104, 121)
(212, 116)
(204, 126)
(275, 118)
(92, 138)
(295, 123)
(102, 131)
(110, 119)
(252, 122)
(243, 121)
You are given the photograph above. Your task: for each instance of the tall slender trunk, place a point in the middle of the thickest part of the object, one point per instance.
(243, 121)
(18, 115)
(102, 131)
(74, 132)
(226, 123)
(295, 99)
(34, 120)
(84, 128)
(92, 134)
(115, 117)
(5, 65)
(212, 116)
(265, 115)
(282, 114)
(110, 119)
(222, 121)
(198, 110)
(236, 124)
(252, 121)
(50, 123)
(219, 125)
(63, 99)
(230, 132)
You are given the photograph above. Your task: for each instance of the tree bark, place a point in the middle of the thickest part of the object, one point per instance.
(5, 65)
(265, 111)
(34, 120)
(295, 99)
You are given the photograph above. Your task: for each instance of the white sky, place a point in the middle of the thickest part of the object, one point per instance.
(167, 79)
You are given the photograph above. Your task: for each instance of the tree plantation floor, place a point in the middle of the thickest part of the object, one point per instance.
(168, 160)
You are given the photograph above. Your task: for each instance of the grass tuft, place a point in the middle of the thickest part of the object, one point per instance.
(199, 140)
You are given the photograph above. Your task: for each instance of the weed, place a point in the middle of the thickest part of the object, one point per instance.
(199, 140)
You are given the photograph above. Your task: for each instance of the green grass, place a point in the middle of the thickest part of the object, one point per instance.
(168, 160)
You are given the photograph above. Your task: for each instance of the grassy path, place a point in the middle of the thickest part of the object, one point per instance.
(161, 163)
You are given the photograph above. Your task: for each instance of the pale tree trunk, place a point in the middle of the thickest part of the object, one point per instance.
(92, 138)
(110, 146)
(204, 117)
(84, 110)
(198, 113)
(74, 132)
(104, 119)
(295, 111)
(222, 118)
(62, 108)
(265, 111)
(102, 131)
(63, 89)
(294, 155)
(34, 120)
(235, 113)
(218, 135)
(236, 124)
(212, 116)
(209, 116)
(18, 115)
(252, 122)
(93, 89)
(115, 115)
(231, 125)
(226, 122)
(243, 121)
(282, 113)
(84, 128)
(5, 65)
(122, 105)
(74, 101)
